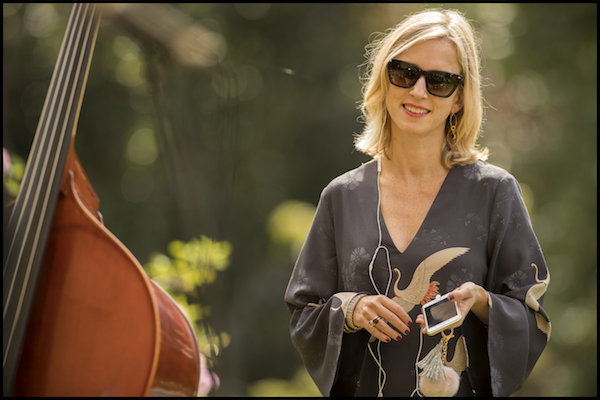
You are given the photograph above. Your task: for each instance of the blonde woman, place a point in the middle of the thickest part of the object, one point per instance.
(428, 216)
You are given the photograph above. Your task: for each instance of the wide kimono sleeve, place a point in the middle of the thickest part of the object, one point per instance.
(518, 327)
(317, 320)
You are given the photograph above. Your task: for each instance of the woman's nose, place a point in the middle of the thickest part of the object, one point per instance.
(419, 90)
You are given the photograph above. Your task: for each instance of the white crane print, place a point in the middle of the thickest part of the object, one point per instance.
(421, 290)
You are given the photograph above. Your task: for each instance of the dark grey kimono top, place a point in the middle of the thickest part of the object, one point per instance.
(477, 229)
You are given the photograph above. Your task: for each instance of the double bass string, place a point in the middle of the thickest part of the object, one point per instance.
(42, 177)
(26, 201)
(41, 141)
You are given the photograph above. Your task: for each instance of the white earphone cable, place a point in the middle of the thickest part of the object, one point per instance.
(379, 245)
(382, 378)
(417, 390)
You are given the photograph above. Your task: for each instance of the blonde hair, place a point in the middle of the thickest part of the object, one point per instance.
(426, 25)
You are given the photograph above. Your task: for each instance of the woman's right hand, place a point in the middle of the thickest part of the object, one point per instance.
(392, 316)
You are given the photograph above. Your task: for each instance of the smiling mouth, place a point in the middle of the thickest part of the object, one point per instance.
(415, 110)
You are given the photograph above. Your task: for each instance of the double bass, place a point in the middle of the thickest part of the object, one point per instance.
(80, 316)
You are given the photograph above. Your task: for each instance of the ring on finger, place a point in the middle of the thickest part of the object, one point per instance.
(374, 321)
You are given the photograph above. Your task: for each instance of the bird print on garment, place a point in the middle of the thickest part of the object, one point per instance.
(533, 295)
(421, 290)
(460, 361)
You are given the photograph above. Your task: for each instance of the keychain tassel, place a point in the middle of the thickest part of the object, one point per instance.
(436, 379)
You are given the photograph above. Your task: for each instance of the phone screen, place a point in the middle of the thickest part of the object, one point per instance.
(440, 312)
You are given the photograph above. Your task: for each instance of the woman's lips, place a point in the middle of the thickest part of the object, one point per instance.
(414, 110)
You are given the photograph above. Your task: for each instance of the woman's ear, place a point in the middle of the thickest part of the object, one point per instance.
(458, 103)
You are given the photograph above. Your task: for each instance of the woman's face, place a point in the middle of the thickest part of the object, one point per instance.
(414, 111)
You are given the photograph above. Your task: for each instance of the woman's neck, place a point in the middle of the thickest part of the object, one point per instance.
(413, 159)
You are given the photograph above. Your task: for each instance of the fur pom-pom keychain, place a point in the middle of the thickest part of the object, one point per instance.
(437, 379)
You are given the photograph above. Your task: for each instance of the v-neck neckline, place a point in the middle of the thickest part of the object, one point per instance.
(384, 224)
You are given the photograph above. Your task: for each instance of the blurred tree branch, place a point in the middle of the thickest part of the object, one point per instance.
(186, 40)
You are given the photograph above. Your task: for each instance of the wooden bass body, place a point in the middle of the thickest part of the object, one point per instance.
(99, 326)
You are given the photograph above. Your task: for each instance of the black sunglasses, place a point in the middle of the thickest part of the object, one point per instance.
(439, 83)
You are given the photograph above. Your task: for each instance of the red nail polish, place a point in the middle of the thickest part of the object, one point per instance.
(388, 340)
(399, 337)
(406, 332)
(450, 297)
(409, 323)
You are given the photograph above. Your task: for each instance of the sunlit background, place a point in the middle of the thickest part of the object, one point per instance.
(209, 130)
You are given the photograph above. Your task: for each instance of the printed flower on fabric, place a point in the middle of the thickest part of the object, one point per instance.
(440, 241)
(471, 172)
(456, 280)
(323, 233)
(517, 280)
(514, 221)
(470, 217)
(359, 257)
(504, 198)
(496, 379)
(481, 233)
(350, 180)
(496, 339)
(303, 280)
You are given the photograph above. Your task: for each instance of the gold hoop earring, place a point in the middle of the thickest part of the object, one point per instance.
(453, 120)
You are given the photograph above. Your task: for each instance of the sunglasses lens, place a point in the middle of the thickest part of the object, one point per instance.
(441, 84)
(401, 74)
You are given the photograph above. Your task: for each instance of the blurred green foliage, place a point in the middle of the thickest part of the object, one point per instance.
(301, 385)
(184, 273)
(191, 265)
(288, 225)
(240, 151)
(11, 177)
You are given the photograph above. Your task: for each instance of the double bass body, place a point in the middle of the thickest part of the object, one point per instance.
(98, 325)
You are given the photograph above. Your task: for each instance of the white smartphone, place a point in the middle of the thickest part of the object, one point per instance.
(439, 314)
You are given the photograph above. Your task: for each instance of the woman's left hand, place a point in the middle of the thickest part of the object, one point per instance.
(469, 297)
